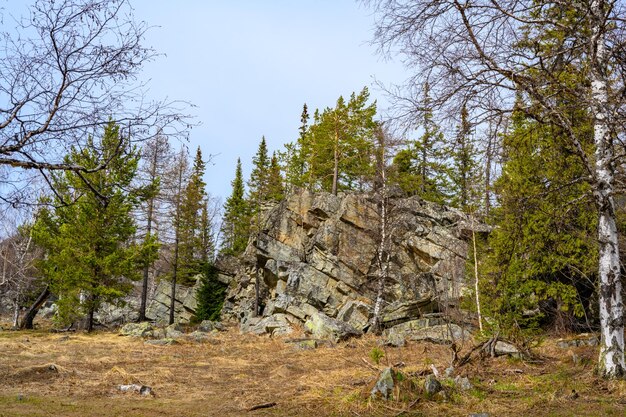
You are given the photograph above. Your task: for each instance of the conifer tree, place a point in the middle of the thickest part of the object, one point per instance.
(294, 156)
(421, 168)
(275, 186)
(465, 173)
(337, 151)
(543, 247)
(157, 156)
(259, 177)
(90, 258)
(190, 234)
(236, 224)
(176, 187)
(210, 296)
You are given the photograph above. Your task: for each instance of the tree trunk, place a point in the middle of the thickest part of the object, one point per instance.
(611, 361)
(174, 277)
(336, 164)
(27, 321)
(382, 254)
(90, 318)
(146, 268)
(16, 312)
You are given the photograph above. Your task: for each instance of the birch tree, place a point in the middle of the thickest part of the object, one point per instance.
(475, 51)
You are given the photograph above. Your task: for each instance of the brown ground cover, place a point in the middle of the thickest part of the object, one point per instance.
(77, 374)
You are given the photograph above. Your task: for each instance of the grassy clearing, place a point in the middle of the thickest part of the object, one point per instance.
(46, 374)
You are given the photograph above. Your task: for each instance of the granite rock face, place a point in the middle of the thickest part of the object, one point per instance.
(316, 256)
(158, 308)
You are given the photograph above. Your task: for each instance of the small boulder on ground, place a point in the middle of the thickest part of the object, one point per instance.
(432, 386)
(161, 342)
(143, 329)
(208, 326)
(384, 385)
(504, 348)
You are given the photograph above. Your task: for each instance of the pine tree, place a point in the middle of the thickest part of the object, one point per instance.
(190, 234)
(275, 184)
(465, 174)
(259, 178)
(294, 156)
(336, 152)
(176, 188)
(157, 156)
(236, 224)
(421, 168)
(90, 258)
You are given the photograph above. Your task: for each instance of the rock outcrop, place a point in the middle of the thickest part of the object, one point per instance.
(316, 262)
(158, 308)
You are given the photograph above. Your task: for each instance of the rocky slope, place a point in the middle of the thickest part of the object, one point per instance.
(315, 259)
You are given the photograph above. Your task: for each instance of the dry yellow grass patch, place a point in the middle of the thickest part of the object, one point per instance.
(231, 373)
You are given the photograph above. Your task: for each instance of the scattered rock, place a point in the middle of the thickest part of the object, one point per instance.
(198, 336)
(479, 415)
(274, 325)
(583, 339)
(384, 385)
(504, 348)
(419, 330)
(463, 383)
(161, 342)
(174, 331)
(323, 327)
(140, 389)
(432, 386)
(209, 326)
(143, 329)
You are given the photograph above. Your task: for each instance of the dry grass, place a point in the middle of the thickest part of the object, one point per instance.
(46, 374)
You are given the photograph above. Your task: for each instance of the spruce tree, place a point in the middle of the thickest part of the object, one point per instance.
(259, 177)
(421, 168)
(190, 234)
(275, 183)
(236, 224)
(210, 296)
(543, 249)
(465, 173)
(90, 257)
(336, 152)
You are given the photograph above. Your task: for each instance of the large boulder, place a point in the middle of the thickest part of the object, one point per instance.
(323, 327)
(316, 256)
(158, 308)
(426, 330)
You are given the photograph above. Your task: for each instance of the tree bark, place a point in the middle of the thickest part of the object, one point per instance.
(27, 321)
(174, 278)
(611, 361)
(146, 268)
(336, 163)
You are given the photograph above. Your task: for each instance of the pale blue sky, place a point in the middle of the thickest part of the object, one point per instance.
(250, 65)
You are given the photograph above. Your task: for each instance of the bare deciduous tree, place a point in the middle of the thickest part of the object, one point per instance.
(479, 52)
(66, 70)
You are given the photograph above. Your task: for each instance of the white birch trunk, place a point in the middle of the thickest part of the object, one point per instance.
(611, 360)
(382, 255)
